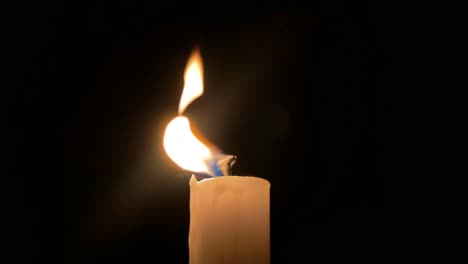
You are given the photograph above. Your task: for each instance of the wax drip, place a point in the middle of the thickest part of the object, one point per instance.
(201, 176)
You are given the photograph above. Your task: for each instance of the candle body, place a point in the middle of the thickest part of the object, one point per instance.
(229, 220)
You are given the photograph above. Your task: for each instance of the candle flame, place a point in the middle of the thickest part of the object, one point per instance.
(181, 145)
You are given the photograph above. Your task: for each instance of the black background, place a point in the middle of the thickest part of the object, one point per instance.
(303, 97)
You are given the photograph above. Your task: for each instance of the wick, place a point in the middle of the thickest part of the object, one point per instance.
(231, 163)
(225, 164)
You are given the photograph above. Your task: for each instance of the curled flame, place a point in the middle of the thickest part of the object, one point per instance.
(181, 145)
(184, 148)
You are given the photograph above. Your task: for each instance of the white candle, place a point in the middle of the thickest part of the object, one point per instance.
(229, 220)
(229, 215)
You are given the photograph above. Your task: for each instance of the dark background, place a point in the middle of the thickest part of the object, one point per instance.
(303, 97)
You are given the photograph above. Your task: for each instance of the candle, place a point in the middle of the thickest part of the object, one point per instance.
(229, 220)
(229, 215)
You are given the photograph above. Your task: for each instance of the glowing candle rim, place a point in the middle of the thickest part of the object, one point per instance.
(234, 179)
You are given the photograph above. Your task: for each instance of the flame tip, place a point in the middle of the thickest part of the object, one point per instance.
(193, 80)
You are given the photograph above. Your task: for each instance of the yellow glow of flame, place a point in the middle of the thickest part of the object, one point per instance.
(193, 81)
(184, 148)
(181, 145)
